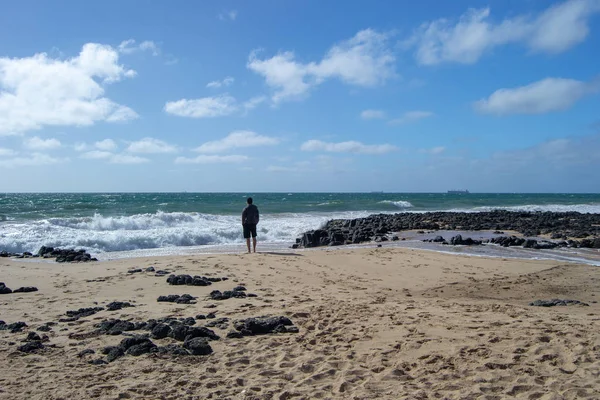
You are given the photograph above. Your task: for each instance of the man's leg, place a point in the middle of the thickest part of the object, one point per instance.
(253, 243)
(248, 244)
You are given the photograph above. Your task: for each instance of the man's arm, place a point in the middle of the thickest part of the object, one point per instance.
(243, 216)
(257, 215)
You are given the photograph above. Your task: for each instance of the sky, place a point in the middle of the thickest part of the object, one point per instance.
(310, 96)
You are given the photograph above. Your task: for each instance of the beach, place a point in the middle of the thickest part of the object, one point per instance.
(373, 322)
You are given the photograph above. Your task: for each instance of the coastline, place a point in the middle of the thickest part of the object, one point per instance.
(373, 323)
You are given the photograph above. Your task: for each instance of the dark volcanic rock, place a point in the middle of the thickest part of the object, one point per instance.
(175, 298)
(236, 292)
(65, 255)
(82, 312)
(134, 271)
(115, 326)
(569, 224)
(85, 352)
(4, 289)
(150, 269)
(556, 302)
(188, 280)
(97, 361)
(117, 305)
(33, 337)
(161, 331)
(262, 325)
(173, 349)
(198, 346)
(15, 327)
(31, 347)
(25, 289)
(221, 323)
(184, 332)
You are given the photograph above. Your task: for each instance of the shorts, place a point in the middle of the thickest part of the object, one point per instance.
(249, 229)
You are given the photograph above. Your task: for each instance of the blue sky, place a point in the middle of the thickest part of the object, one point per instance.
(496, 96)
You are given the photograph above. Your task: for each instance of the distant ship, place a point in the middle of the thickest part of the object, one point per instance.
(458, 191)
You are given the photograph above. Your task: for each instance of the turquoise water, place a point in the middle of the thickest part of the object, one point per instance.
(116, 222)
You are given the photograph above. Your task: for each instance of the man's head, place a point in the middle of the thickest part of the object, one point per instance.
(249, 200)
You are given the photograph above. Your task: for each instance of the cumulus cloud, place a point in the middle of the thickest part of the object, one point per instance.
(364, 60)
(127, 159)
(130, 46)
(228, 81)
(411, 116)
(555, 30)
(205, 107)
(106, 145)
(96, 155)
(254, 102)
(347, 147)
(547, 95)
(237, 139)
(372, 114)
(43, 91)
(31, 160)
(37, 143)
(150, 146)
(211, 159)
(4, 152)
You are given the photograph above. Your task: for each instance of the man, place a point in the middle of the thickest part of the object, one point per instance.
(249, 220)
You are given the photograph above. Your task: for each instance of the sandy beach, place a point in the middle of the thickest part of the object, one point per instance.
(374, 323)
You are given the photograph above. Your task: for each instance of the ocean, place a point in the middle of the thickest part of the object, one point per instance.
(114, 225)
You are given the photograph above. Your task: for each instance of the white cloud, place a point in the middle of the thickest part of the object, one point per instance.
(31, 160)
(129, 46)
(151, 145)
(254, 102)
(205, 107)
(555, 30)
(237, 139)
(106, 145)
(347, 147)
(7, 152)
(42, 91)
(211, 159)
(96, 155)
(127, 159)
(229, 15)
(228, 81)
(434, 150)
(279, 168)
(364, 60)
(547, 95)
(372, 114)
(37, 143)
(411, 116)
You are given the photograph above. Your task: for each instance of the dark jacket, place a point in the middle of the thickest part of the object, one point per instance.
(250, 215)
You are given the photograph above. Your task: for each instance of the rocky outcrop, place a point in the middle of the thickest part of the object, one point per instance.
(557, 302)
(379, 227)
(192, 280)
(179, 299)
(263, 325)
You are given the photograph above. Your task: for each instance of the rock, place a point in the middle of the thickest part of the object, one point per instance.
(262, 325)
(134, 271)
(160, 331)
(183, 332)
(31, 347)
(115, 326)
(25, 289)
(556, 302)
(82, 312)
(189, 321)
(234, 335)
(97, 361)
(142, 348)
(161, 273)
(200, 316)
(188, 280)
(198, 346)
(221, 323)
(85, 352)
(4, 289)
(15, 327)
(65, 255)
(113, 352)
(217, 295)
(33, 337)
(173, 349)
(175, 298)
(118, 305)
(150, 269)
(44, 328)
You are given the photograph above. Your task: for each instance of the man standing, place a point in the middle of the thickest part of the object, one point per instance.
(249, 220)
